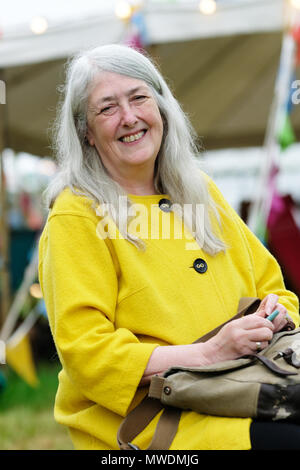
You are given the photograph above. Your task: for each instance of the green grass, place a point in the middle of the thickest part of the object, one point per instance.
(18, 392)
(26, 413)
(24, 429)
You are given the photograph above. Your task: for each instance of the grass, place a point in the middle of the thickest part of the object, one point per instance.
(25, 429)
(26, 413)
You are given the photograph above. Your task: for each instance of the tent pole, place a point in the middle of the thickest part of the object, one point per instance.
(4, 228)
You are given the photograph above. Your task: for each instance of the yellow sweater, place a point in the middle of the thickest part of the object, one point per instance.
(110, 304)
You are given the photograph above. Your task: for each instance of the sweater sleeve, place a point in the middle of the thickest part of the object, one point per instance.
(80, 288)
(266, 270)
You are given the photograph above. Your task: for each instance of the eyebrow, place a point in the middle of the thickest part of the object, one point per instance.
(113, 97)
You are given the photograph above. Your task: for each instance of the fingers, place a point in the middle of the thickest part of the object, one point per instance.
(251, 332)
(281, 320)
(243, 334)
(250, 322)
(259, 338)
(271, 302)
(257, 346)
(260, 334)
(257, 341)
(268, 304)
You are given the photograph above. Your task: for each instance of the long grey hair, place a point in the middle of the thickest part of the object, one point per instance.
(177, 171)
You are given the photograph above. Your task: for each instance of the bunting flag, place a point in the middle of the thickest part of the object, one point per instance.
(296, 36)
(18, 351)
(18, 346)
(136, 35)
(19, 357)
(286, 135)
(21, 295)
(138, 22)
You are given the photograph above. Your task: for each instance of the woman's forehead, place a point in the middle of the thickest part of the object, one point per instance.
(108, 85)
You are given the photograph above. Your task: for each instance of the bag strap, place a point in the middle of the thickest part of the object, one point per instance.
(139, 418)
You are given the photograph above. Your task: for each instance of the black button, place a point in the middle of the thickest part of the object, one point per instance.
(200, 265)
(165, 205)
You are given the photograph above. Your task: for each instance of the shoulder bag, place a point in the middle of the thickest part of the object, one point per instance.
(264, 385)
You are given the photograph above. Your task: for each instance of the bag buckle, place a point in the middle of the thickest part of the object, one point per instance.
(133, 446)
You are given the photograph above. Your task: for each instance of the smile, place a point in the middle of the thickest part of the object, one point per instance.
(133, 137)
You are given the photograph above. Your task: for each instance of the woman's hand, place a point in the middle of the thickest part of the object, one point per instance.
(243, 336)
(239, 338)
(267, 306)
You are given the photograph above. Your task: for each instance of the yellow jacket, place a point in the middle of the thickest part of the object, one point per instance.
(110, 304)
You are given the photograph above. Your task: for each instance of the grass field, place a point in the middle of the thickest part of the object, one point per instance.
(26, 414)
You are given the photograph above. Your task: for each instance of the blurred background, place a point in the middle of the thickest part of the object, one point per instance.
(234, 65)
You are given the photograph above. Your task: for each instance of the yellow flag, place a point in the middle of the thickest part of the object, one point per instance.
(19, 357)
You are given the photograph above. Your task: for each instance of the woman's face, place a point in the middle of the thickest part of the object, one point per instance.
(124, 123)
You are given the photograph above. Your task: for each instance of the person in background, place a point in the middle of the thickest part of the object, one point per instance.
(141, 255)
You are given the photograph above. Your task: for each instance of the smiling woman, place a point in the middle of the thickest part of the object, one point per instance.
(126, 291)
(125, 126)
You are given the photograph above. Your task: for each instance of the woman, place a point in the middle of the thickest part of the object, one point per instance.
(141, 255)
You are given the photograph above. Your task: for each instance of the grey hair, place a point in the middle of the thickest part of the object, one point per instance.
(177, 170)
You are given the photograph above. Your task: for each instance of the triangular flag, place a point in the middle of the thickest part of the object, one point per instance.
(296, 35)
(286, 136)
(19, 357)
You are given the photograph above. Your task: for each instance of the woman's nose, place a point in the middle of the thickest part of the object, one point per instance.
(128, 116)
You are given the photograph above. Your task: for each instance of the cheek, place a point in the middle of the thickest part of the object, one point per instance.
(160, 130)
(157, 123)
(104, 135)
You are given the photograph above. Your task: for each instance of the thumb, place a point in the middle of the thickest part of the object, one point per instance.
(268, 304)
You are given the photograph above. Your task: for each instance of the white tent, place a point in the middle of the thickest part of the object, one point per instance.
(222, 68)
(166, 22)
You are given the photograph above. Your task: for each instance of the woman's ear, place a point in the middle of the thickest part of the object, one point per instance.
(89, 137)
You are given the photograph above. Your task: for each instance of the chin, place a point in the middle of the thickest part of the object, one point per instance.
(141, 160)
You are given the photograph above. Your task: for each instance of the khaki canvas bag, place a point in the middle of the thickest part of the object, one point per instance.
(265, 385)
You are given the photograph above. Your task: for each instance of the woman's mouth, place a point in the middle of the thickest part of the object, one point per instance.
(133, 137)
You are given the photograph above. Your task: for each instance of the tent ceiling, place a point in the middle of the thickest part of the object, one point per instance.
(166, 21)
(32, 98)
(225, 84)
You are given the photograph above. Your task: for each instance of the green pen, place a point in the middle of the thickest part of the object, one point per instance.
(273, 315)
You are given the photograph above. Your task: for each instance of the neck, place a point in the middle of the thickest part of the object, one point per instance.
(137, 183)
(140, 189)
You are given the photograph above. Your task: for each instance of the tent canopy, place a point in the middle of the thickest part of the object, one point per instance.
(221, 68)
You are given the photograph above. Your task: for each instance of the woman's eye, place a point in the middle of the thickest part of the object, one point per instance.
(140, 97)
(107, 110)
